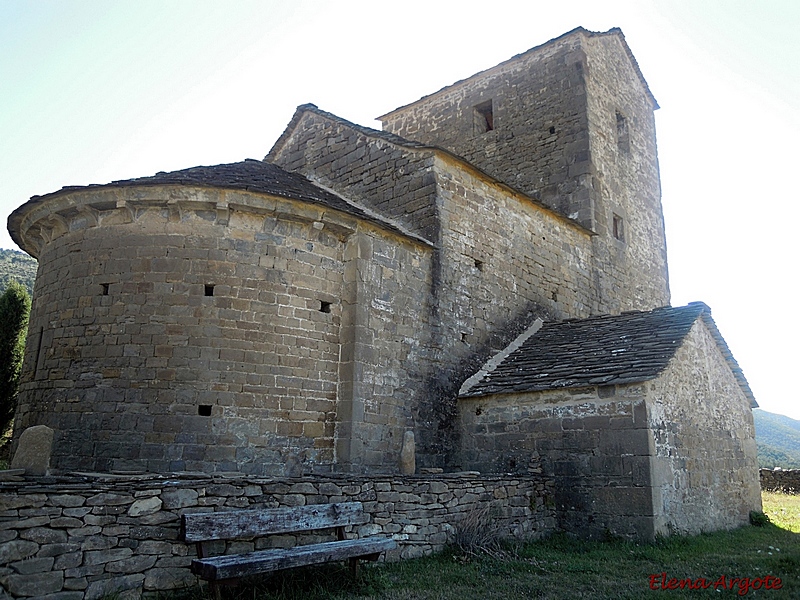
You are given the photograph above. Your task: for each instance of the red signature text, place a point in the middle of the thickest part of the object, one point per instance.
(743, 585)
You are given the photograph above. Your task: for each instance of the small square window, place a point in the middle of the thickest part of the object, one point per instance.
(208, 290)
(483, 117)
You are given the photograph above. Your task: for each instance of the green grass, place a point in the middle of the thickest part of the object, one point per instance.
(782, 509)
(562, 567)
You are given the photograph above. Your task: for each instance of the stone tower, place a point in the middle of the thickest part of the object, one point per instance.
(571, 124)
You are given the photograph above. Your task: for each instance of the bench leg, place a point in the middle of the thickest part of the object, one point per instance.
(354, 567)
(215, 590)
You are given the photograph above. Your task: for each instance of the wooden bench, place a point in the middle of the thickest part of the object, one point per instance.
(205, 527)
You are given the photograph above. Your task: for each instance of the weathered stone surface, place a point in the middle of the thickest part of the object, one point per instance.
(99, 557)
(33, 451)
(33, 565)
(179, 498)
(35, 585)
(107, 499)
(116, 586)
(168, 579)
(67, 500)
(135, 564)
(42, 535)
(17, 550)
(69, 560)
(65, 523)
(408, 463)
(63, 596)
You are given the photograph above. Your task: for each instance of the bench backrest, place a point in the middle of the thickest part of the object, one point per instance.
(202, 527)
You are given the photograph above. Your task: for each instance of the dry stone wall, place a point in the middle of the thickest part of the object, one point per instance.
(780, 480)
(71, 538)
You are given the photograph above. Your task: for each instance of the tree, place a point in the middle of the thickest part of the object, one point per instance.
(15, 306)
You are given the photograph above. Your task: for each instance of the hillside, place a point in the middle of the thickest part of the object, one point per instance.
(17, 265)
(778, 440)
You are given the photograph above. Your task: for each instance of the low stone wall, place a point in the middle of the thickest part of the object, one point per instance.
(90, 535)
(780, 480)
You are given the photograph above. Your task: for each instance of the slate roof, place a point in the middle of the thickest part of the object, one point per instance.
(251, 175)
(604, 350)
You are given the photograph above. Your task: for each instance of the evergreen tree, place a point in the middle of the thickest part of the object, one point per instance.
(15, 306)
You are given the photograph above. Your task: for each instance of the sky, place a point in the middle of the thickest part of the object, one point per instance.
(94, 91)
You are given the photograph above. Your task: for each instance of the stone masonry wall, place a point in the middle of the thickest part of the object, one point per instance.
(208, 340)
(539, 143)
(705, 467)
(573, 127)
(624, 180)
(70, 538)
(374, 172)
(780, 480)
(386, 350)
(593, 442)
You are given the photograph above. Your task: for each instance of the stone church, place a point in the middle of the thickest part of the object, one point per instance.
(489, 272)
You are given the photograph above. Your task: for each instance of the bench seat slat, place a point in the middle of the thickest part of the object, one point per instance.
(218, 568)
(202, 527)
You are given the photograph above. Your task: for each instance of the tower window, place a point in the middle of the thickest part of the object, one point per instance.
(618, 228)
(483, 117)
(208, 290)
(623, 137)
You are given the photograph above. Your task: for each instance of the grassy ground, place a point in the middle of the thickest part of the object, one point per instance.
(561, 567)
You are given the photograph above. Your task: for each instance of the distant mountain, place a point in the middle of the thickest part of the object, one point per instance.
(778, 440)
(17, 265)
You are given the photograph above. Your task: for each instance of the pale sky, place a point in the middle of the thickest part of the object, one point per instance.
(92, 91)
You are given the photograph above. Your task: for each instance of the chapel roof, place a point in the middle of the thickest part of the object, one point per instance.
(603, 350)
(250, 175)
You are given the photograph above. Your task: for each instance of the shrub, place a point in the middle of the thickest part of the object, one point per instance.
(15, 305)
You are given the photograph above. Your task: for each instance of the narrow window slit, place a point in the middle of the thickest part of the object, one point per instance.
(618, 226)
(209, 290)
(105, 288)
(623, 136)
(483, 117)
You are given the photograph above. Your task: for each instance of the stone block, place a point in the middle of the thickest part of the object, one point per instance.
(115, 586)
(179, 498)
(33, 565)
(36, 585)
(145, 506)
(33, 450)
(16, 550)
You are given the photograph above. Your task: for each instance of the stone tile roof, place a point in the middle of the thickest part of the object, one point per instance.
(603, 350)
(251, 175)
